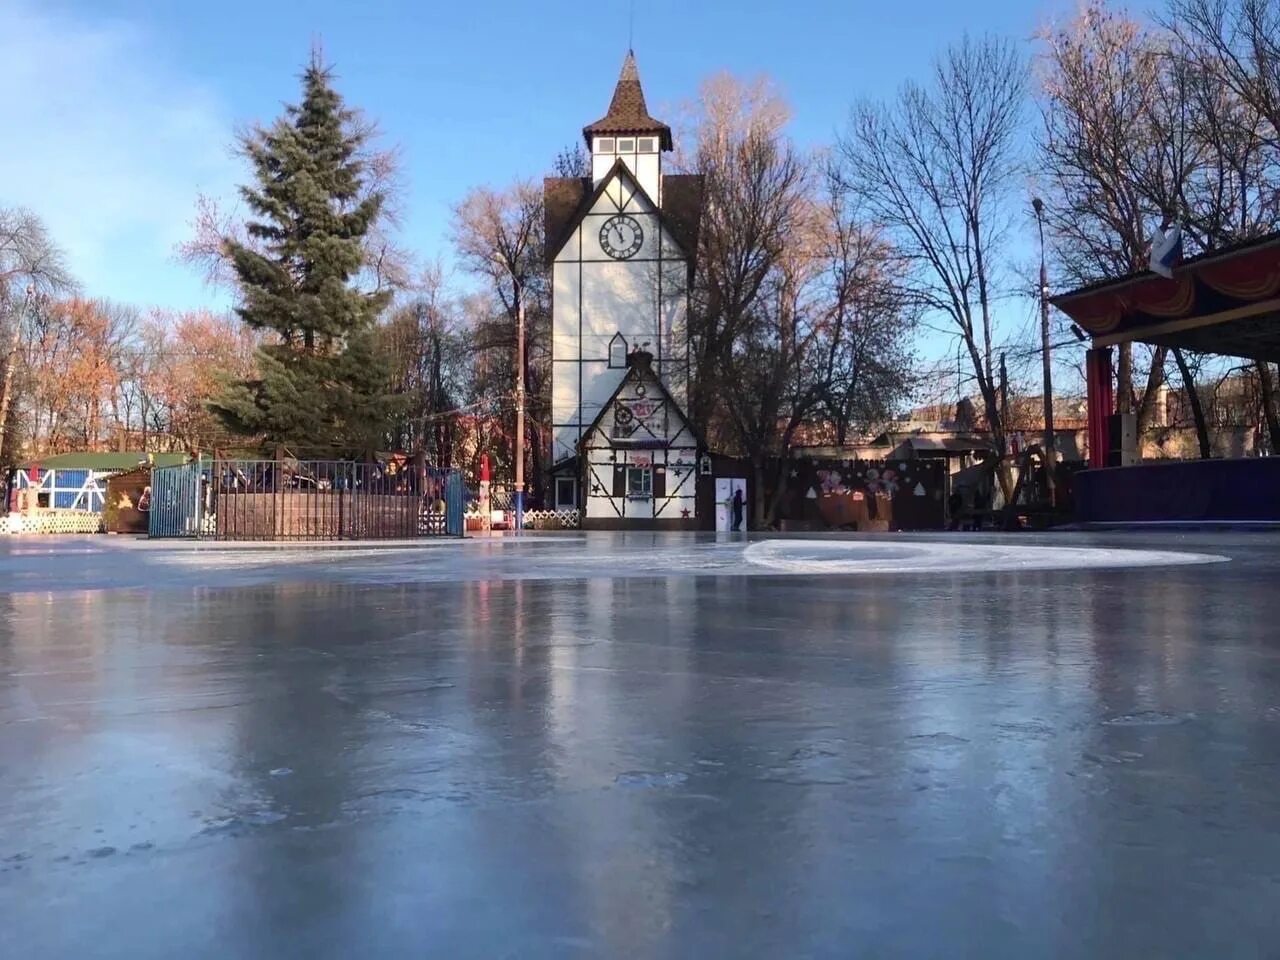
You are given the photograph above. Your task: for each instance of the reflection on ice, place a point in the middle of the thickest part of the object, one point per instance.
(868, 556)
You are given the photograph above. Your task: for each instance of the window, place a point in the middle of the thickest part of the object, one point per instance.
(566, 493)
(626, 146)
(647, 144)
(618, 351)
(604, 145)
(639, 483)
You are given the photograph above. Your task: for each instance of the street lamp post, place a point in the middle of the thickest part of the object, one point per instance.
(1050, 451)
(519, 491)
(517, 282)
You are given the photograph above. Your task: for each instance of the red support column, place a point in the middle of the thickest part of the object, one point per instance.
(1101, 397)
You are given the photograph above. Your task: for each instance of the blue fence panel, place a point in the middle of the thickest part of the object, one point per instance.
(455, 504)
(176, 499)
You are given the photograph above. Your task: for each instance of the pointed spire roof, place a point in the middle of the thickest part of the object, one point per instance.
(628, 113)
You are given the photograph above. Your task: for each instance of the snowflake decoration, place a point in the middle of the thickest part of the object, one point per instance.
(882, 481)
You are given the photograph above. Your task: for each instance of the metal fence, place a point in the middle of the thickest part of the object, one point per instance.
(176, 501)
(307, 500)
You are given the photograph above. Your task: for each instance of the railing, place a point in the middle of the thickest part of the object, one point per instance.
(308, 500)
(552, 520)
(174, 505)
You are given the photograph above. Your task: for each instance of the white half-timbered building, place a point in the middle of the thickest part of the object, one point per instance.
(621, 246)
(640, 454)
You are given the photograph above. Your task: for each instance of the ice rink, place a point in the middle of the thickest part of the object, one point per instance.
(642, 746)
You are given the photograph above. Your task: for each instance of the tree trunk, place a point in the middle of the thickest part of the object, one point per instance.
(759, 506)
(779, 491)
(1267, 387)
(996, 424)
(1155, 379)
(1197, 411)
(1124, 379)
(6, 392)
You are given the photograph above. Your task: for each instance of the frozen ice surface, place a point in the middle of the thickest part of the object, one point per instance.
(642, 745)
(115, 562)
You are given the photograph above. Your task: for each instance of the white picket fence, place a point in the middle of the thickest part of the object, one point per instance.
(51, 522)
(552, 520)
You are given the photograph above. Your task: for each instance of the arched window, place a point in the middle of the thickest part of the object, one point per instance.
(618, 351)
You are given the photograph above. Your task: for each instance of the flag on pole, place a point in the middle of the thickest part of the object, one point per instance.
(1166, 250)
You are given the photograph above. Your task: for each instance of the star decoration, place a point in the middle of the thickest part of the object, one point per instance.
(595, 489)
(685, 513)
(795, 473)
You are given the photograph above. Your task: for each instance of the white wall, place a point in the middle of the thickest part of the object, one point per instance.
(597, 297)
(645, 167)
(678, 461)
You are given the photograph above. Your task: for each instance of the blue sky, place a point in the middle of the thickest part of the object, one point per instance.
(117, 113)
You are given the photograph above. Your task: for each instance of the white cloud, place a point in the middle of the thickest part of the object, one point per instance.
(110, 143)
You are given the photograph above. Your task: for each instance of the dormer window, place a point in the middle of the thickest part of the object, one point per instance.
(647, 145)
(626, 146)
(618, 351)
(604, 145)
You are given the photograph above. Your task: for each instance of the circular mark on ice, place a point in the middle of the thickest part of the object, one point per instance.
(866, 556)
(1149, 718)
(642, 780)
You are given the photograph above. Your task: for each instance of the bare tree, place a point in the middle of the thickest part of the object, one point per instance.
(770, 375)
(572, 161)
(180, 360)
(1142, 128)
(1233, 192)
(1214, 106)
(755, 185)
(498, 236)
(749, 323)
(32, 269)
(1238, 43)
(429, 364)
(866, 320)
(1096, 77)
(934, 168)
(797, 316)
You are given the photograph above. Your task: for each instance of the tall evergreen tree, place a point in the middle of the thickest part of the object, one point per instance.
(322, 386)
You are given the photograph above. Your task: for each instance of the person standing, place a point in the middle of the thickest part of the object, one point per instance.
(739, 502)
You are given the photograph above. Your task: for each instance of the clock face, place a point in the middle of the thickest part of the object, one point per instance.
(621, 237)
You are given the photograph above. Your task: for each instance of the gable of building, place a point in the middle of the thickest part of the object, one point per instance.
(641, 414)
(568, 201)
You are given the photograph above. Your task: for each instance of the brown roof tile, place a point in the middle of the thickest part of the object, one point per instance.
(628, 112)
(682, 208)
(562, 197)
(566, 201)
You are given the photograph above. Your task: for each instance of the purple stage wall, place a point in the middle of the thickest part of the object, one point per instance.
(1181, 490)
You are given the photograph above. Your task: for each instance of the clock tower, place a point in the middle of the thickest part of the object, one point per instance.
(621, 245)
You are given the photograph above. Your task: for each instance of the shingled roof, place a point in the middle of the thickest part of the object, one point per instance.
(566, 200)
(628, 113)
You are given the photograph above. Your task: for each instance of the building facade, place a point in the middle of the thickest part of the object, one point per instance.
(621, 245)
